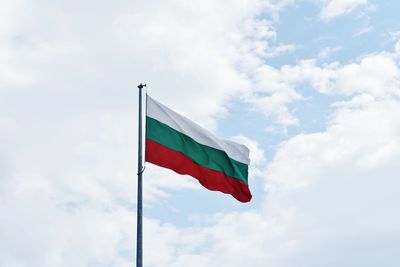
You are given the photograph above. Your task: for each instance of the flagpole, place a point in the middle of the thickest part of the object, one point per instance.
(139, 230)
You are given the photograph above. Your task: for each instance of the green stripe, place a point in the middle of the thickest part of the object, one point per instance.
(203, 155)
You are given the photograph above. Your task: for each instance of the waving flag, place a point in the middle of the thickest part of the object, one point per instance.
(179, 144)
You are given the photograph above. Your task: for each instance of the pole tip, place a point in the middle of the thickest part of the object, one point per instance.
(140, 86)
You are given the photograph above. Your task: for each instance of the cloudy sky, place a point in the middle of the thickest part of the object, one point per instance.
(312, 87)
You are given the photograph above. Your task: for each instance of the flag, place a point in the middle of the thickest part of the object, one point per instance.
(179, 144)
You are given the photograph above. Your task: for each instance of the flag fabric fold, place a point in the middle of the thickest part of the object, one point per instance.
(179, 144)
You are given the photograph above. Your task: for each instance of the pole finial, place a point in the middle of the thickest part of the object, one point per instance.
(140, 86)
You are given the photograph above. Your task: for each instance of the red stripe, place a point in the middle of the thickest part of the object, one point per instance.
(182, 164)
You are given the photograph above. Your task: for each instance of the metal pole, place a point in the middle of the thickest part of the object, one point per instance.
(139, 230)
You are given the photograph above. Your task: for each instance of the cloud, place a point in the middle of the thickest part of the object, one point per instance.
(364, 30)
(272, 92)
(337, 179)
(376, 74)
(274, 89)
(35, 217)
(330, 194)
(68, 77)
(335, 8)
(327, 51)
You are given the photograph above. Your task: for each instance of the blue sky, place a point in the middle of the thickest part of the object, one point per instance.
(310, 86)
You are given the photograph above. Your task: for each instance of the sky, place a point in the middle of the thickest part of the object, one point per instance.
(312, 87)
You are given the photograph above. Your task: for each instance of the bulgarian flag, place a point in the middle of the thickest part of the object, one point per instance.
(177, 143)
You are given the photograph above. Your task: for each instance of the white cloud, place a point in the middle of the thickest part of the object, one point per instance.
(364, 30)
(35, 218)
(346, 141)
(274, 89)
(331, 194)
(281, 49)
(375, 74)
(327, 51)
(68, 76)
(68, 136)
(338, 178)
(335, 8)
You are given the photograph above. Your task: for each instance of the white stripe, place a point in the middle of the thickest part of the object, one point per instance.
(178, 122)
